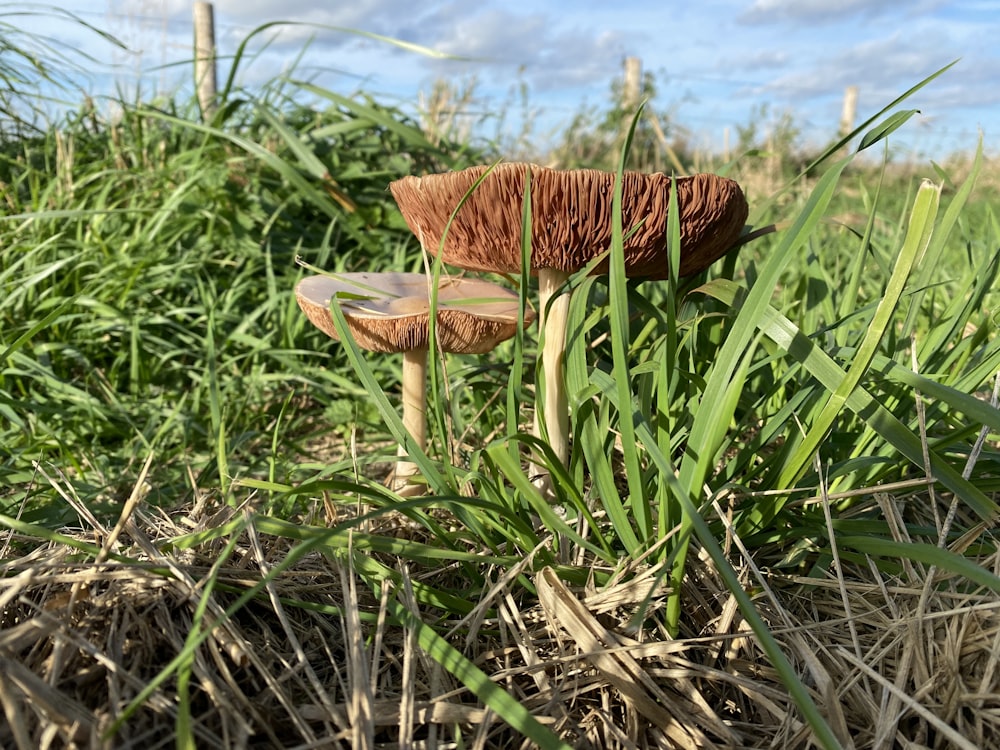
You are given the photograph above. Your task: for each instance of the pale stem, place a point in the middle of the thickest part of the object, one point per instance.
(552, 321)
(414, 414)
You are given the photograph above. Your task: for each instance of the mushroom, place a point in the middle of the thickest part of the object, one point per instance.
(390, 312)
(570, 227)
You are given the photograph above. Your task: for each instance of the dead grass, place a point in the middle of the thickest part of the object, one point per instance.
(894, 661)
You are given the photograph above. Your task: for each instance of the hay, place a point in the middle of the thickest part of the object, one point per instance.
(313, 660)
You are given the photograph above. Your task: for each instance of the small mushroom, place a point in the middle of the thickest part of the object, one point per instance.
(390, 312)
(570, 227)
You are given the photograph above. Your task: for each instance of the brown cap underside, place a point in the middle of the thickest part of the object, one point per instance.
(473, 315)
(571, 217)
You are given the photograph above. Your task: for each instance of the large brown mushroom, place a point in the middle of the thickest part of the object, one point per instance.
(570, 227)
(390, 312)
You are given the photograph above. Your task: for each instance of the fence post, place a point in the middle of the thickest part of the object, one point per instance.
(849, 111)
(632, 84)
(204, 58)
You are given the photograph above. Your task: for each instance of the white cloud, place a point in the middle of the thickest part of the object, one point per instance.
(760, 60)
(549, 56)
(880, 66)
(810, 11)
(496, 35)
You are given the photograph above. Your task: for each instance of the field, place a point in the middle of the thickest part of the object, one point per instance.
(775, 527)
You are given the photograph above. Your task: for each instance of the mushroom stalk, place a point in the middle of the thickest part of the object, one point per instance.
(553, 317)
(414, 380)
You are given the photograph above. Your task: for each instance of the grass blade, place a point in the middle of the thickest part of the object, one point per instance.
(918, 237)
(713, 410)
(620, 340)
(786, 334)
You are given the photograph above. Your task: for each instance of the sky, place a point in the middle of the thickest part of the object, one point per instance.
(718, 65)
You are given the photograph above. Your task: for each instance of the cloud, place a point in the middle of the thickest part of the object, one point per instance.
(878, 65)
(885, 68)
(497, 39)
(811, 11)
(495, 35)
(550, 56)
(303, 19)
(760, 60)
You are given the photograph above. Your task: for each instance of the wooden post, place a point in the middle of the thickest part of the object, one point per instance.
(632, 85)
(849, 111)
(204, 58)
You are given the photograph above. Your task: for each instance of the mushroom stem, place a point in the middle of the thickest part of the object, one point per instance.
(554, 313)
(414, 382)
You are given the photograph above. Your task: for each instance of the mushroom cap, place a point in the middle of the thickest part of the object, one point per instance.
(390, 312)
(571, 217)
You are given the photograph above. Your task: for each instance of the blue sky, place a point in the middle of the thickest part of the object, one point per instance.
(716, 62)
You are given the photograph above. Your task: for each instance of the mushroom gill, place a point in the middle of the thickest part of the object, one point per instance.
(571, 217)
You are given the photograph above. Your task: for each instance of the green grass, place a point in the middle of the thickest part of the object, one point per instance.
(147, 283)
(146, 309)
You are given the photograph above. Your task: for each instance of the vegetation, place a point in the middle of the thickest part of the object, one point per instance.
(193, 509)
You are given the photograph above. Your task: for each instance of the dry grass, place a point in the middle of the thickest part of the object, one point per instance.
(894, 661)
